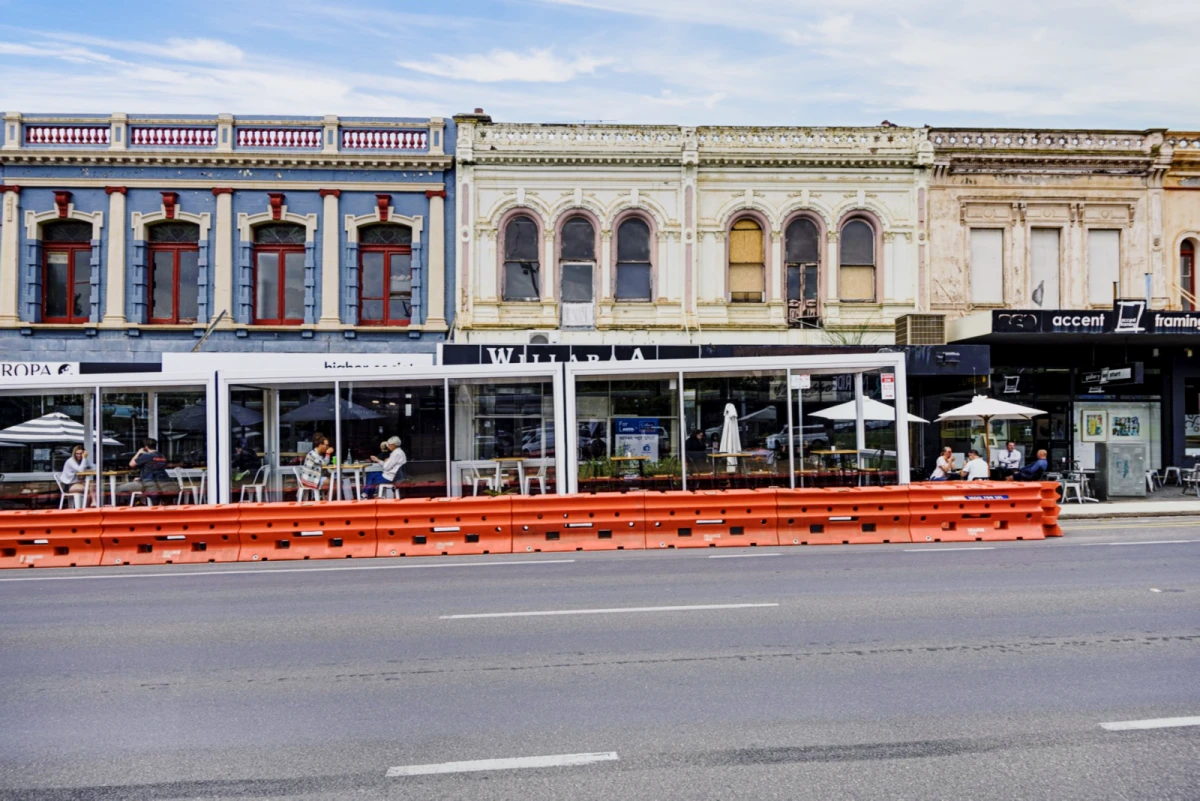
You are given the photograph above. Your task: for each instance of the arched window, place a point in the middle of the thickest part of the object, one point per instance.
(385, 275)
(522, 276)
(747, 282)
(174, 272)
(633, 260)
(577, 260)
(1187, 273)
(802, 255)
(856, 279)
(279, 274)
(67, 276)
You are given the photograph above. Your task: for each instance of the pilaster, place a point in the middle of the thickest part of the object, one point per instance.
(330, 263)
(223, 257)
(10, 270)
(435, 315)
(114, 280)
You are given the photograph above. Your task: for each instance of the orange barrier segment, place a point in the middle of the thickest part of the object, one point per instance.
(592, 522)
(843, 515)
(975, 511)
(50, 538)
(152, 535)
(444, 526)
(1050, 509)
(320, 530)
(711, 518)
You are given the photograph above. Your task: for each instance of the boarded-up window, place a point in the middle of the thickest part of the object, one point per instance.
(522, 280)
(1104, 265)
(856, 276)
(987, 265)
(746, 281)
(633, 260)
(1044, 265)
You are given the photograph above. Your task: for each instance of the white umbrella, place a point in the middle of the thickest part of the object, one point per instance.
(987, 409)
(872, 410)
(53, 427)
(731, 440)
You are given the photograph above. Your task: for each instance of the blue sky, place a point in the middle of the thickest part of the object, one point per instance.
(1103, 63)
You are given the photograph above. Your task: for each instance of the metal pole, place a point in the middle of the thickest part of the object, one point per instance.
(860, 428)
(446, 410)
(682, 429)
(337, 442)
(902, 459)
(800, 426)
(790, 436)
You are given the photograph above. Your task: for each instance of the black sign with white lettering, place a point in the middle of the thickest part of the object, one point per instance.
(1127, 317)
(1119, 375)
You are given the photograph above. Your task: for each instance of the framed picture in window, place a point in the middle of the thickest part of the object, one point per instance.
(1127, 426)
(1094, 426)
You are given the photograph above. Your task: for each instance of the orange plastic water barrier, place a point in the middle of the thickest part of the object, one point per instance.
(843, 516)
(151, 535)
(1050, 507)
(710, 518)
(324, 530)
(50, 538)
(593, 522)
(975, 511)
(444, 526)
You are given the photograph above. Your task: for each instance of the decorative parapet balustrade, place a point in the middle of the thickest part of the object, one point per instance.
(163, 136)
(1184, 140)
(51, 135)
(383, 139)
(279, 138)
(1022, 139)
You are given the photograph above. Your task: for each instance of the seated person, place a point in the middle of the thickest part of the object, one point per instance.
(1034, 470)
(152, 472)
(392, 468)
(976, 468)
(69, 477)
(1009, 460)
(312, 473)
(246, 460)
(945, 465)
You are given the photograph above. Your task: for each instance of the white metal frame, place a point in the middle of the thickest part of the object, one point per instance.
(833, 364)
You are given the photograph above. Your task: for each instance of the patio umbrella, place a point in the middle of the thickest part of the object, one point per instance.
(987, 409)
(194, 417)
(731, 440)
(872, 410)
(53, 427)
(323, 409)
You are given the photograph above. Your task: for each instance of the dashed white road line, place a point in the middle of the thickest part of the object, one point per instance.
(613, 611)
(1150, 542)
(1153, 723)
(741, 555)
(554, 761)
(940, 550)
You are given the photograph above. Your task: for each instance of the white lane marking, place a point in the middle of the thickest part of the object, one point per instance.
(614, 611)
(1152, 589)
(1151, 542)
(741, 555)
(118, 575)
(555, 761)
(939, 550)
(1153, 723)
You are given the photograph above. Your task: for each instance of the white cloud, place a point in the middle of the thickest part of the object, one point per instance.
(533, 66)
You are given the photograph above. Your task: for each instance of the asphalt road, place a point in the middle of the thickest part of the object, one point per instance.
(894, 672)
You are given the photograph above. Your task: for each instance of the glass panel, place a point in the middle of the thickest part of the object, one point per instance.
(162, 304)
(1044, 273)
(857, 244)
(57, 268)
(633, 282)
(38, 456)
(793, 282)
(512, 420)
(372, 311)
(628, 434)
(578, 240)
(83, 285)
(400, 273)
(858, 283)
(125, 422)
(175, 232)
(305, 415)
(802, 241)
(67, 231)
(266, 291)
(745, 243)
(372, 275)
(373, 413)
(294, 286)
(521, 281)
(755, 430)
(183, 430)
(810, 282)
(633, 241)
(280, 234)
(189, 284)
(387, 234)
(577, 283)
(521, 240)
(246, 411)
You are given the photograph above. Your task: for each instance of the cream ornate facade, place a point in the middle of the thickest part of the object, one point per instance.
(708, 197)
(1181, 219)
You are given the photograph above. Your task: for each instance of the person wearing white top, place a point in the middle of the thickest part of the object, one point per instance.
(1009, 460)
(78, 461)
(391, 467)
(976, 469)
(945, 466)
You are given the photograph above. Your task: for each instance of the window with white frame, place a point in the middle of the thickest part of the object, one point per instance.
(856, 275)
(1104, 265)
(987, 266)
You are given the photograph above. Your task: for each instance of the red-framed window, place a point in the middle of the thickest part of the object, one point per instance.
(385, 275)
(1187, 273)
(279, 274)
(174, 272)
(66, 272)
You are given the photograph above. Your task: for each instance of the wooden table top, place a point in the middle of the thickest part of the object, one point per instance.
(629, 459)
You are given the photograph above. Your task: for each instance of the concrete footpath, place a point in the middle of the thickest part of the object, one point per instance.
(1168, 502)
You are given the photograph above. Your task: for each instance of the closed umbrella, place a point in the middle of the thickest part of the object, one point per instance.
(52, 427)
(872, 410)
(323, 409)
(987, 409)
(731, 440)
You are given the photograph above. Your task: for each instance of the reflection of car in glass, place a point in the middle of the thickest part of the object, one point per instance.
(812, 433)
(532, 446)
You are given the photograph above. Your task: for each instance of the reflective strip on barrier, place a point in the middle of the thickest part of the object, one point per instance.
(843, 515)
(310, 530)
(975, 511)
(50, 538)
(150, 535)
(592, 522)
(710, 518)
(444, 526)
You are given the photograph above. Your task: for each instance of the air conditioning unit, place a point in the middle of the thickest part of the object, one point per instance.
(921, 329)
(543, 338)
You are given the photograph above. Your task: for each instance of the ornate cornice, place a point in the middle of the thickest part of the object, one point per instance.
(391, 161)
(1066, 152)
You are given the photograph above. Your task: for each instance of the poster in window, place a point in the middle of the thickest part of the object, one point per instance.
(1095, 426)
(636, 437)
(1127, 426)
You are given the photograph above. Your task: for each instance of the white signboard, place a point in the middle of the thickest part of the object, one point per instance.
(887, 384)
(308, 362)
(22, 370)
(801, 381)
